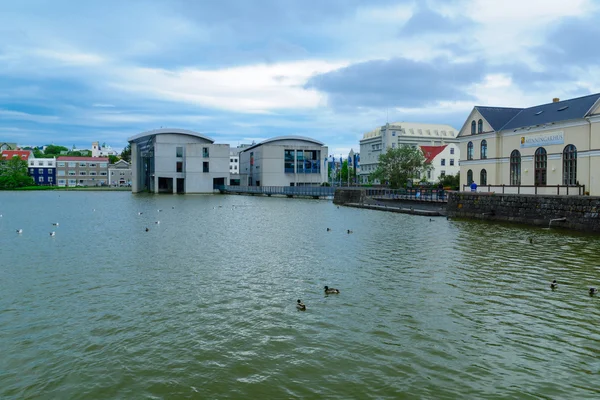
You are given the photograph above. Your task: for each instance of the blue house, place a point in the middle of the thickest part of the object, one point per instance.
(43, 171)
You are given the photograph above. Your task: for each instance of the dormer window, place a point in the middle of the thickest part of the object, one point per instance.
(473, 126)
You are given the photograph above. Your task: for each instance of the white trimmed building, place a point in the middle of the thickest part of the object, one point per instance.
(377, 141)
(542, 149)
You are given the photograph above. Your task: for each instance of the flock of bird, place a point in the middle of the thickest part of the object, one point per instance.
(302, 307)
(592, 291)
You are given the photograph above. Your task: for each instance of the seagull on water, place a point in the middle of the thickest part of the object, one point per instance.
(19, 230)
(55, 223)
(52, 233)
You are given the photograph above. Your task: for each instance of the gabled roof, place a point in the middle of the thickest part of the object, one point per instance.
(497, 117)
(430, 152)
(576, 108)
(22, 154)
(74, 158)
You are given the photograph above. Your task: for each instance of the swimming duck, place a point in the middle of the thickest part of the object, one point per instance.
(328, 229)
(554, 285)
(52, 233)
(159, 210)
(19, 230)
(55, 223)
(157, 222)
(300, 305)
(329, 290)
(349, 231)
(593, 291)
(147, 229)
(140, 213)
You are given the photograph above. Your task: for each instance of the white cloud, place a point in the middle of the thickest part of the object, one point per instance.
(249, 89)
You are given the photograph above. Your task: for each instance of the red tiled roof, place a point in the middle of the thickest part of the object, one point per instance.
(22, 154)
(72, 158)
(431, 151)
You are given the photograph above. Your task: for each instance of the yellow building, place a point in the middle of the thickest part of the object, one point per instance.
(552, 148)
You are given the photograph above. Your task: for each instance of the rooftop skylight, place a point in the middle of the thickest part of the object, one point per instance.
(563, 108)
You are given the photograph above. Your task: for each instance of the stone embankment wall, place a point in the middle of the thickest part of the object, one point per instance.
(346, 196)
(578, 212)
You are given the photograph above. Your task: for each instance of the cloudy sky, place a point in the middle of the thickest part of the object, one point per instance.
(72, 72)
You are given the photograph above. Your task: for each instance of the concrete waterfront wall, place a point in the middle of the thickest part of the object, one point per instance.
(345, 196)
(579, 212)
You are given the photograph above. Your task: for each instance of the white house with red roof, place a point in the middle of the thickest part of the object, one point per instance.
(24, 155)
(443, 160)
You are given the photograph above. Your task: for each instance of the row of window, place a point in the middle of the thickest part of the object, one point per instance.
(479, 126)
(233, 167)
(73, 182)
(233, 160)
(540, 163)
(443, 161)
(82, 173)
(72, 164)
(41, 179)
(179, 152)
(179, 166)
(483, 150)
(41, 163)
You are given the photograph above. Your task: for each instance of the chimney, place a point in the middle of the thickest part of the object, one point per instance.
(555, 100)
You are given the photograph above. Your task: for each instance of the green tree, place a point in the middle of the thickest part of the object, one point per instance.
(345, 172)
(112, 159)
(126, 153)
(13, 174)
(452, 181)
(397, 165)
(53, 150)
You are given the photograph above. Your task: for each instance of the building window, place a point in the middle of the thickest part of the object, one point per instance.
(82, 173)
(231, 160)
(179, 151)
(469, 177)
(483, 149)
(451, 150)
(393, 145)
(82, 164)
(418, 174)
(179, 166)
(31, 171)
(50, 179)
(473, 125)
(61, 181)
(92, 165)
(40, 163)
(60, 173)
(72, 164)
(102, 165)
(470, 150)
(515, 168)
(452, 161)
(483, 177)
(480, 126)
(235, 167)
(443, 161)
(205, 152)
(93, 173)
(103, 173)
(428, 174)
(570, 165)
(205, 166)
(60, 164)
(72, 173)
(41, 179)
(288, 161)
(442, 173)
(541, 162)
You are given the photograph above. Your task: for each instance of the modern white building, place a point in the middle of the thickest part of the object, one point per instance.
(102, 150)
(444, 160)
(377, 141)
(284, 161)
(177, 161)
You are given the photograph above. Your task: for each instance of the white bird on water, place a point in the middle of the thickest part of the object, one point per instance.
(52, 233)
(55, 223)
(157, 222)
(19, 230)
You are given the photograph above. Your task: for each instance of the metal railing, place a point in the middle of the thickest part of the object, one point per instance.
(416, 194)
(313, 191)
(565, 190)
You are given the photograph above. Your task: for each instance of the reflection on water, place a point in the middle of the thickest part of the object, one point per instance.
(203, 304)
